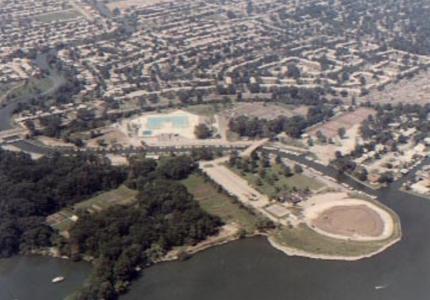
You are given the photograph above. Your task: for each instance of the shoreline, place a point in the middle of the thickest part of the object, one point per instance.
(175, 255)
(290, 251)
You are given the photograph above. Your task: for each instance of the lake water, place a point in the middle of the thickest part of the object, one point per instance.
(29, 278)
(251, 269)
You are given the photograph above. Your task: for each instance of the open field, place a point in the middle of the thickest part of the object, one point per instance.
(344, 242)
(350, 220)
(35, 86)
(120, 196)
(304, 239)
(64, 219)
(413, 90)
(349, 214)
(327, 152)
(263, 110)
(219, 204)
(269, 185)
(346, 120)
(209, 110)
(129, 3)
(58, 16)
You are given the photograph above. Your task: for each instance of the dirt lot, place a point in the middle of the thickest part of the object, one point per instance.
(346, 120)
(415, 90)
(277, 210)
(350, 220)
(263, 110)
(327, 152)
(129, 3)
(113, 137)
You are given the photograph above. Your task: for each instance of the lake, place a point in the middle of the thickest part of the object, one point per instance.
(29, 277)
(251, 269)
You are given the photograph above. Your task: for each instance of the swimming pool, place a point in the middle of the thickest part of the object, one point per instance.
(159, 122)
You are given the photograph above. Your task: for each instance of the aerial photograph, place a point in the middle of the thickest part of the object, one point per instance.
(215, 149)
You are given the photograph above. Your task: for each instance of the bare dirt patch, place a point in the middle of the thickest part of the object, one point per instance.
(346, 120)
(415, 90)
(263, 110)
(350, 221)
(130, 3)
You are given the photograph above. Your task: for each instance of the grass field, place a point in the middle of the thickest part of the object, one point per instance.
(65, 222)
(219, 204)
(5, 87)
(274, 179)
(208, 110)
(120, 196)
(58, 16)
(35, 86)
(305, 239)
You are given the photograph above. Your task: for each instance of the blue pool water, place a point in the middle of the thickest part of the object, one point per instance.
(158, 122)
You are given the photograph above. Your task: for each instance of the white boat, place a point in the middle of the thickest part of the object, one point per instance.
(57, 279)
(379, 287)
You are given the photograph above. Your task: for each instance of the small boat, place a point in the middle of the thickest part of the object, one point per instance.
(57, 279)
(379, 287)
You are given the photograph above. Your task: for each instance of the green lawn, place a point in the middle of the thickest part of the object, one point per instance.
(120, 196)
(65, 225)
(219, 204)
(5, 87)
(35, 86)
(305, 239)
(58, 16)
(232, 136)
(274, 178)
(209, 110)
(65, 222)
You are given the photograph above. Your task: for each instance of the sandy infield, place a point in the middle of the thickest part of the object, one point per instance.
(350, 221)
(338, 216)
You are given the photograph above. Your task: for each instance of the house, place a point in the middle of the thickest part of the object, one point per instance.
(293, 198)
(374, 178)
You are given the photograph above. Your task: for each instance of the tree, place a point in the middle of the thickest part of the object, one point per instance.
(287, 171)
(261, 172)
(386, 177)
(202, 131)
(298, 169)
(177, 167)
(278, 159)
(249, 8)
(31, 127)
(321, 137)
(361, 173)
(234, 157)
(293, 71)
(341, 132)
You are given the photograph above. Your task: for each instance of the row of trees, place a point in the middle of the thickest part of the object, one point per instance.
(293, 126)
